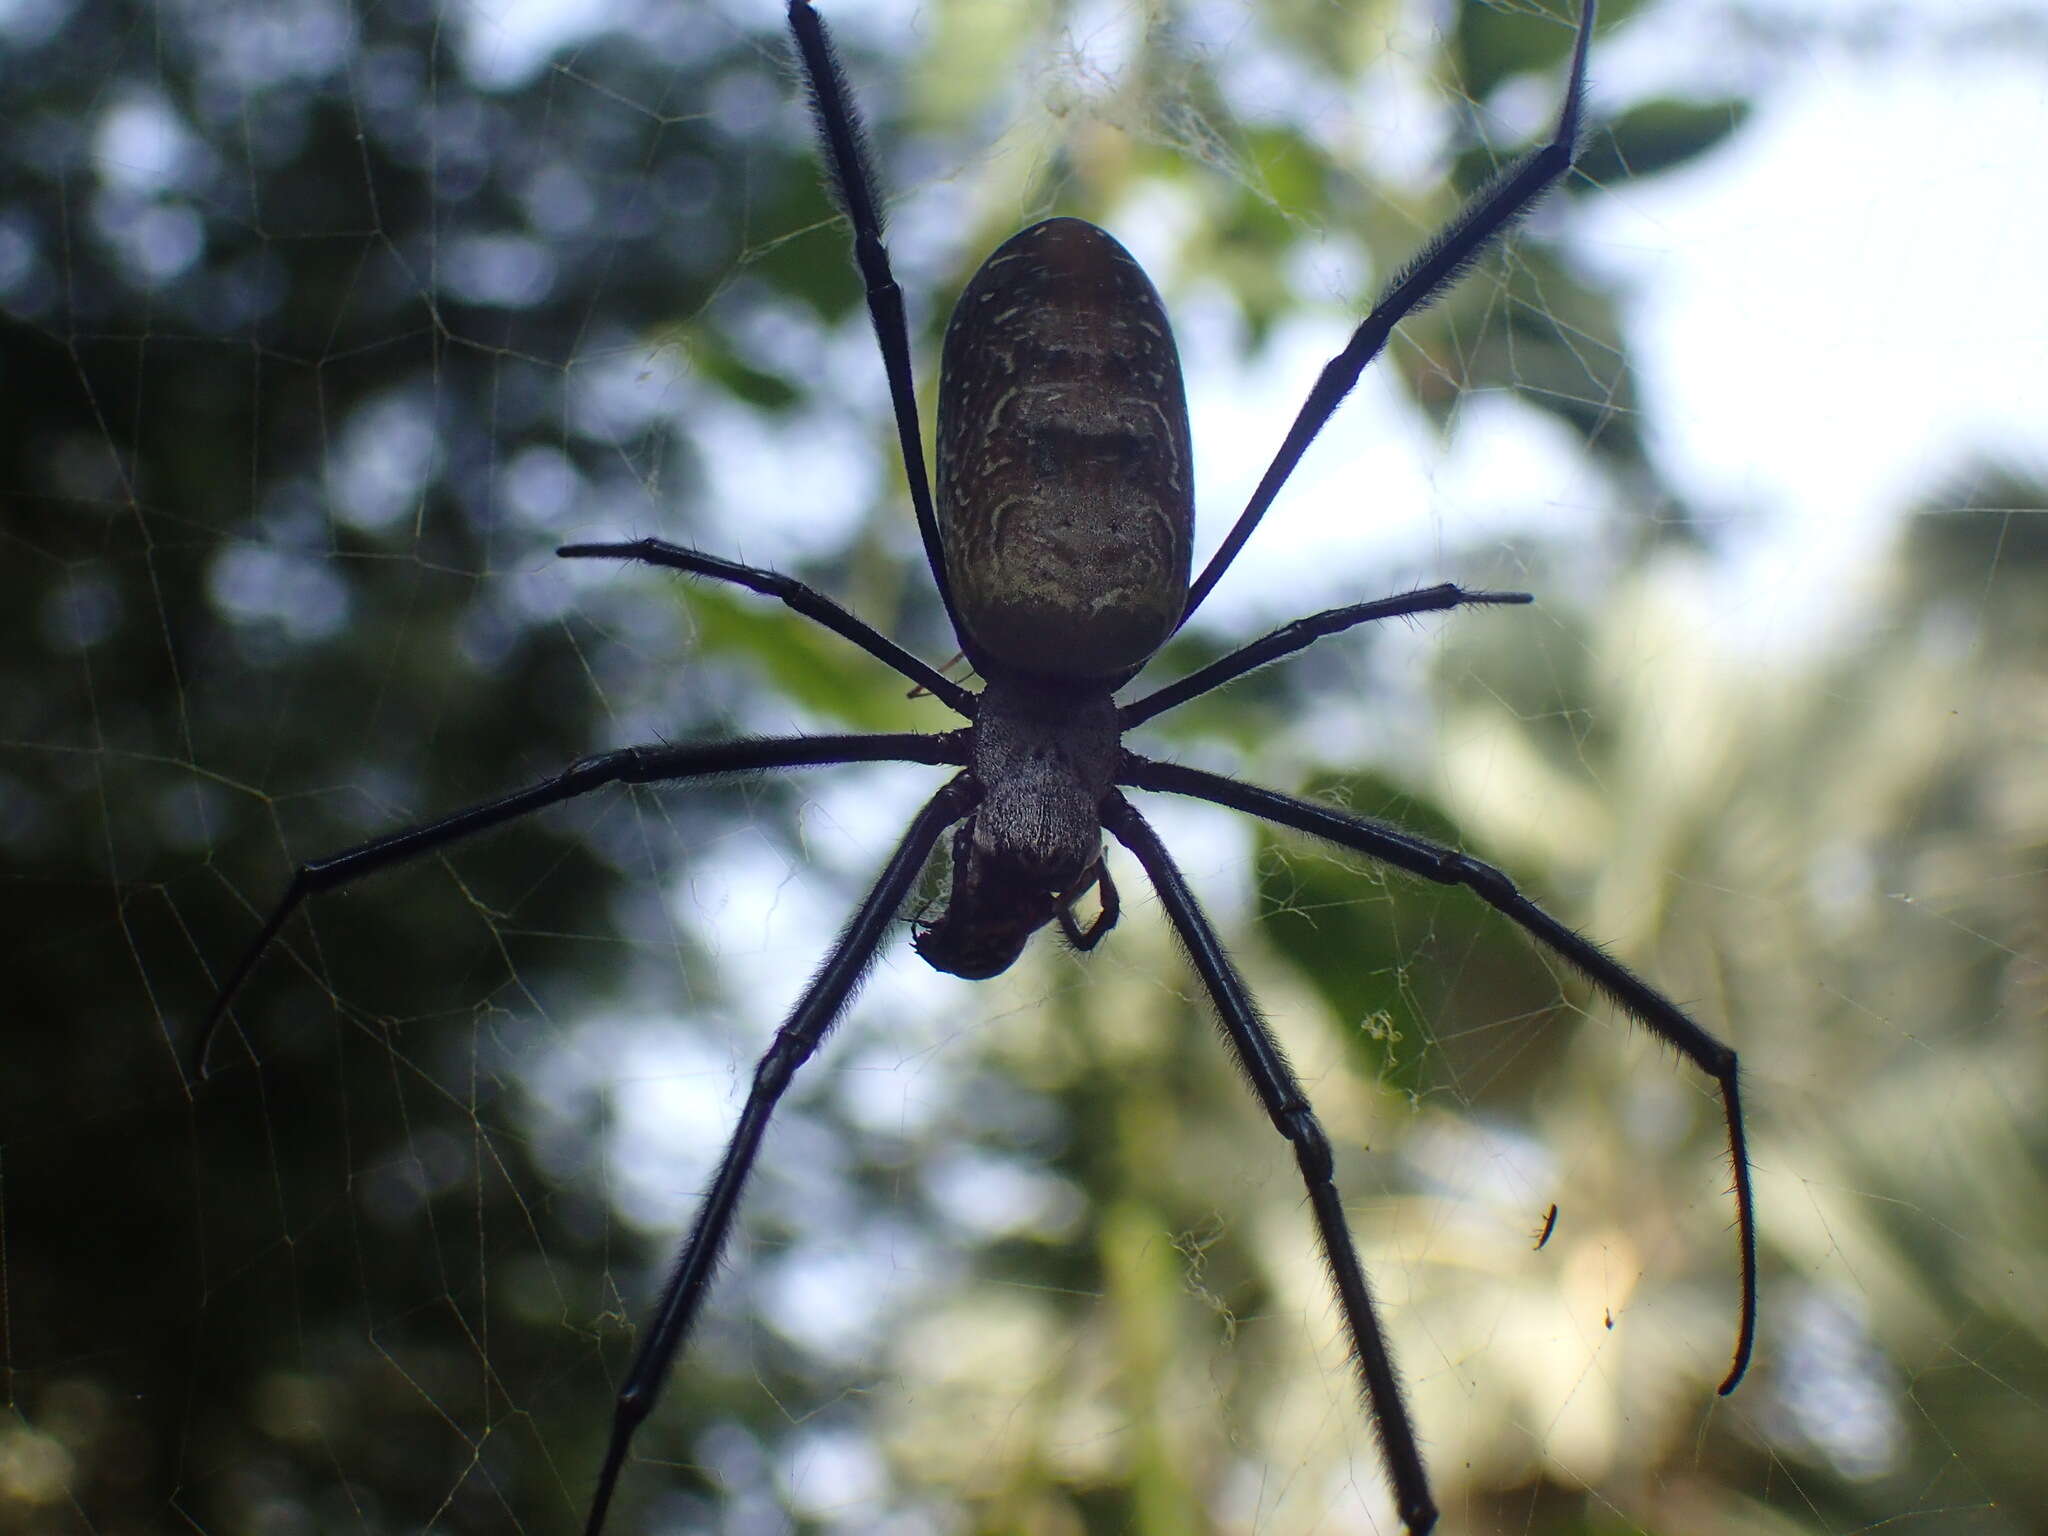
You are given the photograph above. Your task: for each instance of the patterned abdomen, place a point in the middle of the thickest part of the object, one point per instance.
(1066, 492)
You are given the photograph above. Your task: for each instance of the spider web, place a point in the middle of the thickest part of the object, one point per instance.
(324, 329)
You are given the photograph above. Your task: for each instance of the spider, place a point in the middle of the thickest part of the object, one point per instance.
(1060, 542)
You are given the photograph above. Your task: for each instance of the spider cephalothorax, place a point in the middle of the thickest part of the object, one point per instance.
(1043, 756)
(1060, 546)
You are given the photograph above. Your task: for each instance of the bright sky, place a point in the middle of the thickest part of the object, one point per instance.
(1850, 301)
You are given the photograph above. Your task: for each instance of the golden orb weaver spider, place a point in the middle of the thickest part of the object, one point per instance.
(1060, 540)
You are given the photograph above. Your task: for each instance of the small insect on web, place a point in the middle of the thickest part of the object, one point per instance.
(1060, 539)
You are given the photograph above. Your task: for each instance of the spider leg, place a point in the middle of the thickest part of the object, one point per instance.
(1636, 997)
(823, 1001)
(852, 181)
(1491, 211)
(1085, 939)
(1266, 1068)
(1299, 635)
(808, 601)
(628, 765)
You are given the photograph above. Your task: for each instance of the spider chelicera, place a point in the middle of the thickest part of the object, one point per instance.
(1060, 542)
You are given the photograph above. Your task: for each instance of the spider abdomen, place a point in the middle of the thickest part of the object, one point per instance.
(1065, 481)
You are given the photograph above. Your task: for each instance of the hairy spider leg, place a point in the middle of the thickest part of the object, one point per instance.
(1265, 1067)
(852, 181)
(1299, 635)
(820, 1007)
(627, 765)
(1446, 866)
(1490, 213)
(808, 601)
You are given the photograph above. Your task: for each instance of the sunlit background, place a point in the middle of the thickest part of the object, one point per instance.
(325, 325)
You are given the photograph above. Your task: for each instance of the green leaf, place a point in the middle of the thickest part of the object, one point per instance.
(719, 363)
(809, 665)
(1657, 136)
(1492, 43)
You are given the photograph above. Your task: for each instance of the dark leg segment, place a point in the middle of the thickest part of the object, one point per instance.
(1085, 939)
(628, 765)
(1492, 211)
(1635, 997)
(853, 180)
(820, 1007)
(808, 601)
(1299, 635)
(1260, 1058)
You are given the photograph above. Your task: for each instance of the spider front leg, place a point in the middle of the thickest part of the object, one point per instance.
(1264, 1065)
(1492, 211)
(808, 601)
(851, 177)
(1301, 634)
(1446, 866)
(824, 1000)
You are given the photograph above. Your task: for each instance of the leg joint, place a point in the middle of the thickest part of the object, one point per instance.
(1311, 1146)
(779, 1063)
(1484, 879)
(632, 1405)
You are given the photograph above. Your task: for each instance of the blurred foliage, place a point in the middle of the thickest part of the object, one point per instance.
(317, 340)
(1656, 136)
(1389, 966)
